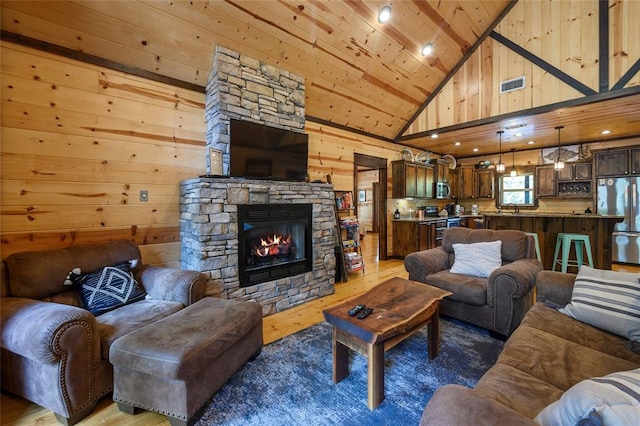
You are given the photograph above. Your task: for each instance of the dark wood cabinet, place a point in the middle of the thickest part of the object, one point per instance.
(484, 180)
(464, 187)
(546, 181)
(405, 237)
(612, 163)
(412, 180)
(635, 161)
(574, 181)
(474, 183)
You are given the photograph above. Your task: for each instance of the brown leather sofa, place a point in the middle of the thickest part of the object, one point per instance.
(55, 353)
(548, 354)
(497, 302)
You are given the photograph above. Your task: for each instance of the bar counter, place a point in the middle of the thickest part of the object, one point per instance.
(547, 225)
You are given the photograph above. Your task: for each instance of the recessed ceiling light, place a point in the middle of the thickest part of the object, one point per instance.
(606, 132)
(384, 15)
(519, 134)
(427, 49)
(531, 142)
(434, 136)
(458, 143)
(476, 149)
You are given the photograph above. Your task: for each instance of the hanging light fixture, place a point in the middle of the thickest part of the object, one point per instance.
(513, 172)
(500, 167)
(558, 164)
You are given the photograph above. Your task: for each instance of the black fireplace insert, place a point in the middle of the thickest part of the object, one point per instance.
(275, 241)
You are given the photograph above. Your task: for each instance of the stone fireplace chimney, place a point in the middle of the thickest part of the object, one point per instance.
(244, 88)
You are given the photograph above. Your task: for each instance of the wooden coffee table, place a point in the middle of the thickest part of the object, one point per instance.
(400, 308)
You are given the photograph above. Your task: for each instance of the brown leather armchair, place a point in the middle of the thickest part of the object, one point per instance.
(55, 353)
(497, 302)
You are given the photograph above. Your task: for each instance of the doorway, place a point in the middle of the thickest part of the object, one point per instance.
(375, 170)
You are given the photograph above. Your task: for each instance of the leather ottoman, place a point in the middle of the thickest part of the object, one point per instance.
(174, 366)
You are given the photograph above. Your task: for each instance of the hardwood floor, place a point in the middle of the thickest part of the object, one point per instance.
(17, 411)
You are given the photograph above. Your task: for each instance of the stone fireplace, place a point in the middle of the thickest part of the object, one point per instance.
(212, 208)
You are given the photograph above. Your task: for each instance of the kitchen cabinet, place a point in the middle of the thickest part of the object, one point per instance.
(574, 181)
(405, 237)
(484, 179)
(546, 182)
(412, 180)
(464, 187)
(612, 163)
(474, 183)
(635, 161)
(442, 171)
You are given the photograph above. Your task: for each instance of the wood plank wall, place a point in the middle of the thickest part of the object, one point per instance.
(79, 143)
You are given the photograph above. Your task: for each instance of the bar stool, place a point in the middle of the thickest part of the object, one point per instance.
(581, 243)
(535, 237)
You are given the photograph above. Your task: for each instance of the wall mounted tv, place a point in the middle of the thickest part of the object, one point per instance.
(265, 152)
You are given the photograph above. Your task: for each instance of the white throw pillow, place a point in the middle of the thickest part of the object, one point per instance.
(610, 400)
(477, 259)
(608, 300)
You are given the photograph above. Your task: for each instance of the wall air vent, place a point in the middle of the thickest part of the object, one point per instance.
(511, 85)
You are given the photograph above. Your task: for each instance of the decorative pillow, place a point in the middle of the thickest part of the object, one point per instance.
(477, 259)
(108, 288)
(608, 400)
(608, 300)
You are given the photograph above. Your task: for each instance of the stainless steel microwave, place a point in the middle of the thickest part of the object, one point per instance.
(443, 190)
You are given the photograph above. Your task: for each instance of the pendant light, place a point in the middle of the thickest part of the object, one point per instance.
(513, 172)
(500, 167)
(558, 164)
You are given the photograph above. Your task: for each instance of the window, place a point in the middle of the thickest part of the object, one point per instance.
(517, 190)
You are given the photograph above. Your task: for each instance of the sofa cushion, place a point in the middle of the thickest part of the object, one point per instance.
(550, 320)
(108, 288)
(465, 288)
(514, 243)
(122, 321)
(610, 400)
(40, 274)
(608, 300)
(477, 259)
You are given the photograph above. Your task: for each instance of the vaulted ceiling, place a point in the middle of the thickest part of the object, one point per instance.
(371, 77)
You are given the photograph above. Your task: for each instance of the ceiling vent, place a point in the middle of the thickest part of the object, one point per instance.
(511, 85)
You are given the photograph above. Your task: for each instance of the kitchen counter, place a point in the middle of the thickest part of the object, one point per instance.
(430, 219)
(547, 225)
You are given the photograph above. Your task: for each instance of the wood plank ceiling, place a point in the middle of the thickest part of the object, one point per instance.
(359, 74)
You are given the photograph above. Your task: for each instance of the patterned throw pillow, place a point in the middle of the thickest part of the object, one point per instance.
(477, 259)
(108, 289)
(608, 300)
(608, 400)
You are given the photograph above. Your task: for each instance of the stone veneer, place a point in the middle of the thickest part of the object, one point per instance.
(209, 237)
(245, 88)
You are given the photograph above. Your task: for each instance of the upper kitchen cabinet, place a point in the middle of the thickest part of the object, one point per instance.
(635, 161)
(546, 181)
(612, 163)
(484, 179)
(412, 180)
(574, 181)
(474, 183)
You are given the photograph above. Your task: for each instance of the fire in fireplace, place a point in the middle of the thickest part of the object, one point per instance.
(275, 241)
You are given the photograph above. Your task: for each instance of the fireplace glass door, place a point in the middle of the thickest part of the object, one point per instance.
(274, 241)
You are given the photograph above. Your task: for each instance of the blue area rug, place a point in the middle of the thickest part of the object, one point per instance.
(290, 382)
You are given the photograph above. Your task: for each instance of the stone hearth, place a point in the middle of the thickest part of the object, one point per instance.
(209, 237)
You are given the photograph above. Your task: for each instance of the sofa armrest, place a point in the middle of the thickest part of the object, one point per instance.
(173, 284)
(514, 280)
(59, 330)
(457, 405)
(426, 262)
(555, 287)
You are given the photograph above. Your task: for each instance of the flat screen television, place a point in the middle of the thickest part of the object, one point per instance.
(265, 152)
